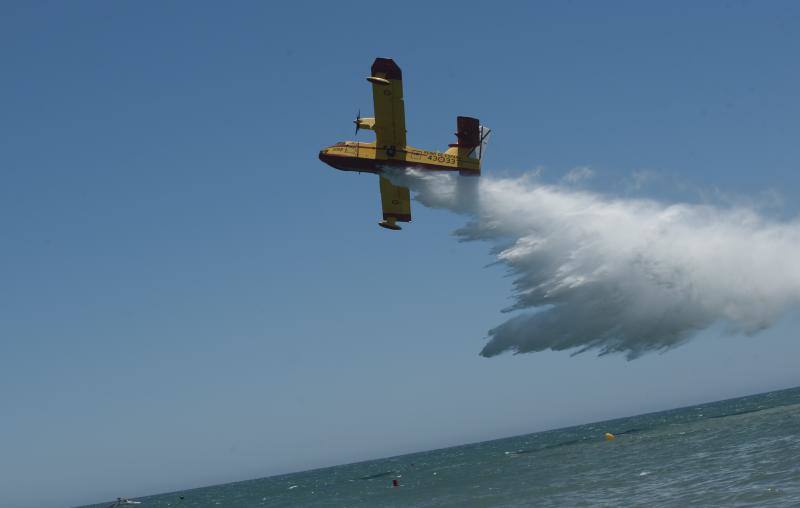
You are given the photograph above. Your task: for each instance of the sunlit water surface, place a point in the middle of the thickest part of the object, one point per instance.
(739, 452)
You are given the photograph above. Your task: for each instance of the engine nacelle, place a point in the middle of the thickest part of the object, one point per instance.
(365, 123)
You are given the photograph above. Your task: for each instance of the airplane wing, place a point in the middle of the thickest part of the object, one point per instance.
(387, 96)
(395, 201)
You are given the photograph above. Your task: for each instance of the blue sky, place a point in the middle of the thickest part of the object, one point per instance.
(190, 297)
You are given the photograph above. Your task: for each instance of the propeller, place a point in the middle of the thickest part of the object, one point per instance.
(357, 120)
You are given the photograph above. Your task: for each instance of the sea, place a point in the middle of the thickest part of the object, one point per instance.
(737, 452)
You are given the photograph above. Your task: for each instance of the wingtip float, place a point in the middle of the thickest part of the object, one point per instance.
(391, 151)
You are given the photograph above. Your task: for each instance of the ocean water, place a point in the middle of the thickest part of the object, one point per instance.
(738, 452)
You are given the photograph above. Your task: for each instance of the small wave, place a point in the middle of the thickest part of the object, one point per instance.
(629, 431)
(545, 447)
(378, 475)
(748, 411)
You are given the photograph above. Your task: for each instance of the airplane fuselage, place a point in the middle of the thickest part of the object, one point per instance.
(390, 149)
(367, 158)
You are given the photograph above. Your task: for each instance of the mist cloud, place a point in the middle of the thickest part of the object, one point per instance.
(620, 275)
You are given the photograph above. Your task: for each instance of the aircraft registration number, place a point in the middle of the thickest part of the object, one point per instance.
(440, 157)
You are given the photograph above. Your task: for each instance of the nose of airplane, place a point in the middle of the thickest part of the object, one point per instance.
(330, 159)
(324, 157)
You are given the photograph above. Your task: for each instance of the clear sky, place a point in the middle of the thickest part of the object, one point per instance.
(189, 297)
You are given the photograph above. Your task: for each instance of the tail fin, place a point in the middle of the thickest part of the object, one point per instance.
(472, 136)
(468, 132)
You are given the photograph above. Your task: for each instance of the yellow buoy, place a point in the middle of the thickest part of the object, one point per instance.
(610, 436)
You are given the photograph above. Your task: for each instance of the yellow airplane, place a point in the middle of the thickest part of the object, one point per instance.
(390, 149)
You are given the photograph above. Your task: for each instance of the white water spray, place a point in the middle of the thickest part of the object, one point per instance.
(620, 275)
